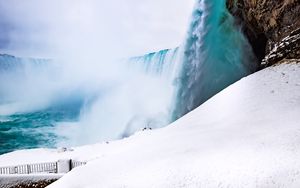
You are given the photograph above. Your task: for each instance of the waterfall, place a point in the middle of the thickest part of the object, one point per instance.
(162, 63)
(29, 84)
(215, 55)
(10, 63)
(109, 100)
(161, 69)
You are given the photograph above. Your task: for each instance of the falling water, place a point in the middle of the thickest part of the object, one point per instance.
(162, 63)
(216, 54)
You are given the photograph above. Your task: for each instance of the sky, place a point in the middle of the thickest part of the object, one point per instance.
(126, 28)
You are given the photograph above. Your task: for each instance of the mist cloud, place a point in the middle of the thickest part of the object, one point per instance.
(89, 41)
(131, 27)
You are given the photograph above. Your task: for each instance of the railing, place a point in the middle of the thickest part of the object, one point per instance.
(62, 166)
(75, 164)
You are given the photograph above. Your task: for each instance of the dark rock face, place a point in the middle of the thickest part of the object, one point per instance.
(287, 48)
(271, 26)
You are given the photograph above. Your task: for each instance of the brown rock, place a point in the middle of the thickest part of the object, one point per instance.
(267, 23)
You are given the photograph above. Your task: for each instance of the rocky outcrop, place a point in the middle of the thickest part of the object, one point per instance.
(287, 48)
(272, 27)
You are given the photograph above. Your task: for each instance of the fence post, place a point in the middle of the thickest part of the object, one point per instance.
(28, 169)
(64, 166)
(12, 170)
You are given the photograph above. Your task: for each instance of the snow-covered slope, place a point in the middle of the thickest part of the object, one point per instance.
(246, 136)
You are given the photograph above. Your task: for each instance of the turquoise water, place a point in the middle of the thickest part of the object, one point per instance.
(215, 55)
(26, 122)
(24, 131)
(35, 129)
(160, 63)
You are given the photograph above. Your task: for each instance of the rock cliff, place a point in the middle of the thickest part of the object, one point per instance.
(272, 27)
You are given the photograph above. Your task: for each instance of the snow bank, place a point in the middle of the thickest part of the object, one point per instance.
(246, 136)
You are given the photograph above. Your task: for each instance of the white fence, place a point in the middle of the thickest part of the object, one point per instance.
(53, 167)
(75, 164)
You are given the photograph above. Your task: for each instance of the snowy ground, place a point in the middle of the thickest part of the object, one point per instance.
(246, 136)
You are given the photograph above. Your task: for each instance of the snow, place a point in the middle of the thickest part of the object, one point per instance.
(248, 135)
